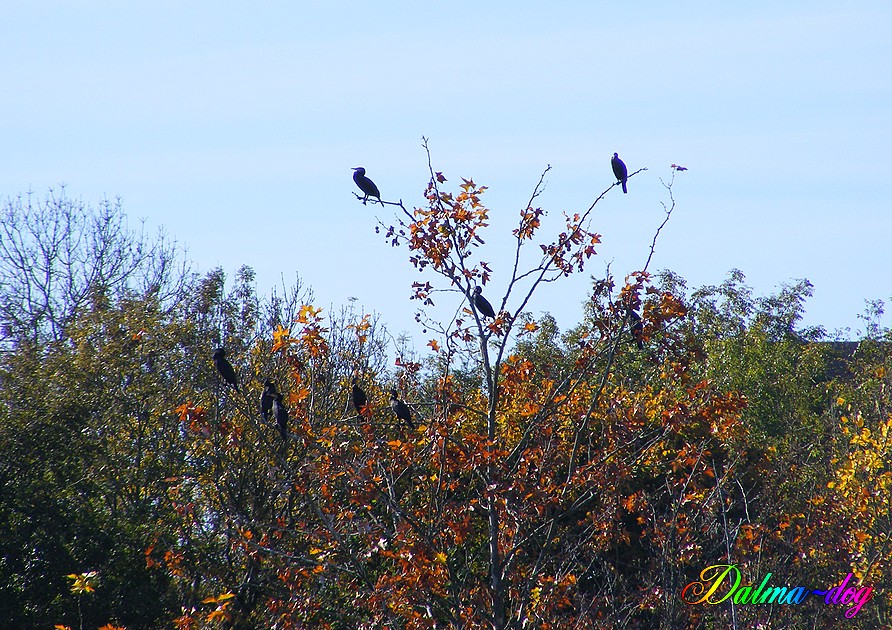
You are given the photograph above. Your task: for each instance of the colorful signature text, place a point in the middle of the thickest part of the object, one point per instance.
(720, 583)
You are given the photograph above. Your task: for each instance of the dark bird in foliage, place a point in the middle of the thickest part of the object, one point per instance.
(281, 413)
(401, 409)
(482, 304)
(224, 367)
(620, 170)
(267, 398)
(366, 185)
(637, 328)
(360, 400)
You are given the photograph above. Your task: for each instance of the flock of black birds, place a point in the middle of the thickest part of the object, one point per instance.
(272, 401)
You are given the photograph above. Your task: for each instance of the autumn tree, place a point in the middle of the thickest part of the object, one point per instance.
(531, 488)
(539, 441)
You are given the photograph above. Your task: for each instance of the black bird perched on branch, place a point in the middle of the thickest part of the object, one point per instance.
(267, 398)
(637, 328)
(224, 367)
(281, 413)
(366, 185)
(401, 409)
(483, 304)
(620, 170)
(360, 400)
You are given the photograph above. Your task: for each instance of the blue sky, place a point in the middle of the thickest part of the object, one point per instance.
(236, 130)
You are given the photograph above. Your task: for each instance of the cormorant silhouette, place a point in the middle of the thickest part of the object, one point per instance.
(281, 413)
(620, 170)
(225, 368)
(637, 328)
(366, 185)
(360, 400)
(401, 409)
(267, 398)
(483, 304)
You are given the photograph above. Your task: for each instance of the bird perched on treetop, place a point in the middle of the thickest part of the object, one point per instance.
(401, 409)
(366, 185)
(482, 304)
(360, 400)
(267, 398)
(620, 170)
(225, 368)
(281, 413)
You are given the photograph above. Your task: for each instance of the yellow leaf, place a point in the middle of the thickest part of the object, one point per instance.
(280, 337)
(218, 615)
(218, 599)
(84, 582)
(308, 313)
